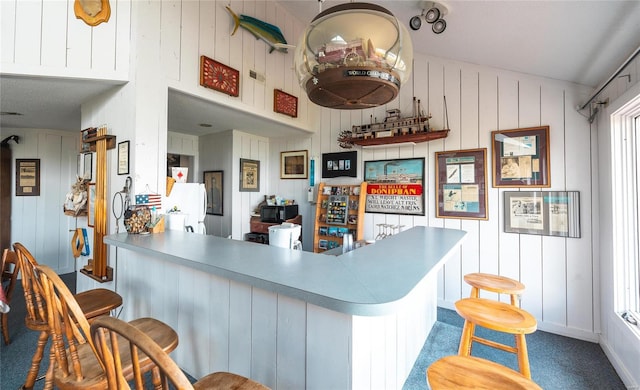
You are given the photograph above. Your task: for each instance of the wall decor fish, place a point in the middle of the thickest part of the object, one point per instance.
(261, 30)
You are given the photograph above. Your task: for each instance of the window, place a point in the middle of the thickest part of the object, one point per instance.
(625, 148)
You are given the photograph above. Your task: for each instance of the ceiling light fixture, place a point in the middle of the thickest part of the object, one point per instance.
(353, 56)
(433, 16)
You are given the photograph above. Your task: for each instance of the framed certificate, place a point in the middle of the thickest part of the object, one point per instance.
(123, 158)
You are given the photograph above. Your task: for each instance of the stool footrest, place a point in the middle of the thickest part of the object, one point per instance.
(494, 344)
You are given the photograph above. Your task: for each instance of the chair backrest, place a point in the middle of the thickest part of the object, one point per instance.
(69, 328)
(111, 336)
(36, 309)
(9, 272)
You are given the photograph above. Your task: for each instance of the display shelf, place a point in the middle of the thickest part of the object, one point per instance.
(339, 210)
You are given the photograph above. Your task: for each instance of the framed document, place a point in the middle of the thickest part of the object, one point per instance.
(123, 158)
(395, 186)
(547, 213)
(461, 177)
(521, 157)
(293, 165)
(28, 177)
(249, 175)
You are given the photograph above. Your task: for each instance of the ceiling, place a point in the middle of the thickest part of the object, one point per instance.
(581, 41)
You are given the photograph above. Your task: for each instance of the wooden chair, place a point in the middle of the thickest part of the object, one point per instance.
(468, 372)
(111, 336)
(9, 276)
(93, 303)
(76, 361)
(498, 316)
(494, 283)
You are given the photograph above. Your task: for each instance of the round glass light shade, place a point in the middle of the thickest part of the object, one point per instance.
(352, 56)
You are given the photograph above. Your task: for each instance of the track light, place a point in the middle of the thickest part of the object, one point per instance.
(433, 16)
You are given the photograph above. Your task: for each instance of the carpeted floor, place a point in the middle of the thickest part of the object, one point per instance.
(556, 362)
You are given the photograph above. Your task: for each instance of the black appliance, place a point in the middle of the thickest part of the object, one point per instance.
(278, 214)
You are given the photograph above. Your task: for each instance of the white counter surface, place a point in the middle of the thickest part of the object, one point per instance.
(371, 280)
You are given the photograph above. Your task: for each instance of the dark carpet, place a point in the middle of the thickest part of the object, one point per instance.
(557, 362)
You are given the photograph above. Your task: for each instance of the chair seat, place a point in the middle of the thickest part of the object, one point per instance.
(97, 302)
(468, 372)
(94, 375)
(496, 315)
(494, 283)
(227, 381)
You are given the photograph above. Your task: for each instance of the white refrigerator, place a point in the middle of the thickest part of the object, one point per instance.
(191, 201)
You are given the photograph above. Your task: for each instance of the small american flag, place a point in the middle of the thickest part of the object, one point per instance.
(151, 200)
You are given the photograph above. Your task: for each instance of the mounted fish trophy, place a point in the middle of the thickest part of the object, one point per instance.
(264, 31)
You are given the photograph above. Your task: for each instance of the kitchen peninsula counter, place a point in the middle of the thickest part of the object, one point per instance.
(289, 319)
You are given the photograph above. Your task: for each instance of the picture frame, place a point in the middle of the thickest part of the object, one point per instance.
(547, 213)
(294, 164)
(27, 177)
(219, 77)
(214, 185)
(461, 189)
(91, 204)
(342, 164)
(285, 103)
(123, 158)
(395, 186)
(249, 175)
(87, 166)
(521, 157)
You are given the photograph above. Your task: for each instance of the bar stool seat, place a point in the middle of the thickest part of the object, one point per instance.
(468, 372)
(494, 283)
(500, 317)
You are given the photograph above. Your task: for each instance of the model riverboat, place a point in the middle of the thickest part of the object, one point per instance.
(393, 130)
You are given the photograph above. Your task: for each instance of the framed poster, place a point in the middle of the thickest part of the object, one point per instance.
(395, 186)
(123, 158)
(249, 175)
(91, 204)
(284, 103)
(548, 213)
(521, 157)
(87, 166)
(213, 183)
(339, 164)
(27, 177)
(293, 165)
(219, 77)
(461, 177)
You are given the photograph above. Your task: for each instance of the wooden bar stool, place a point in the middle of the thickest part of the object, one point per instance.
(500, 317)
(468, 372)
(494, 283)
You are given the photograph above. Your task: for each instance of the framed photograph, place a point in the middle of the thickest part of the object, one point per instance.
(27, 177)
(219, 77)
(284, 103)
(249, 175)
(294, 165)
(548, 213)
(521, 157)
(87, 166)
(395, 186)
(340, 164)
(123, 158)
(91, 204)
(213, 183)
(461, 177)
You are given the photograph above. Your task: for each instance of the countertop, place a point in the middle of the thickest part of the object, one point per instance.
(368, 281)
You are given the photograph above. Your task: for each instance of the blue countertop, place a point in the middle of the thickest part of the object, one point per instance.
(368, 281)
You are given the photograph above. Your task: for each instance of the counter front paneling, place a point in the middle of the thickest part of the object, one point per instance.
(289, 319)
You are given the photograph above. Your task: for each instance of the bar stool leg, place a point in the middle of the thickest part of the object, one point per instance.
(475, 292)
(523, 355)
(465, 341)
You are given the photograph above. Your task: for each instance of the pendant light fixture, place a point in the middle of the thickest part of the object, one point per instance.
(353, 56)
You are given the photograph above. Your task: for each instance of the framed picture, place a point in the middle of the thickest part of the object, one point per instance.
(249, 175)
(213, 183)
(339, 164)
(219, 77)
(395, 186)
(27, 177)
(87, 166)
(548, 213)
(123, 158)
(521, 157)
(294, 165)
(461, 177)
(91, 204)
(284, 103)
